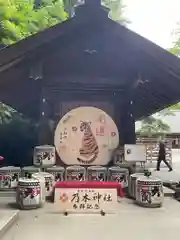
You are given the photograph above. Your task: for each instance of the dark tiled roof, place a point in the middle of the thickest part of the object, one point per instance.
(154, 73)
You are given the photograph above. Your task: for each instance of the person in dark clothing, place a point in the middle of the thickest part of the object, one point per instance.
(162, 157)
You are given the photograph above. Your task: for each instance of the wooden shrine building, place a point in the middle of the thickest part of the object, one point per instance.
(88, 60)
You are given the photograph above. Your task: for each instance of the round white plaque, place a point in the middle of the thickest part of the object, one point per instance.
(86, 136)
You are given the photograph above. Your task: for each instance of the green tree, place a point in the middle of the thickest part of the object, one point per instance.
(175, 49)
(21, 18)
(117, 9)
(6, 113)
(175, 107)
(152, 126)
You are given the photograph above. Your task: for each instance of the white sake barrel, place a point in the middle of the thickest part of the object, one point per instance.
(149, 191)
(29, 169)
(49, 181)
(5, 177)
(132, 184)
(15, 175)
(44, 156)
(58, 172)
(96, 173)
(28, 193)
(119, 175)
(75, 173)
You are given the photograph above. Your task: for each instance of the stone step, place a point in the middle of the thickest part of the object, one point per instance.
(168, 192)
(7, 219)
(9, 193)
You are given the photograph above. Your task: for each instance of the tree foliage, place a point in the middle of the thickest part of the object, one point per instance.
(6, 113)
(151, 126)
(176, 44)
(155, 125)
(21, 18)
(117, 9)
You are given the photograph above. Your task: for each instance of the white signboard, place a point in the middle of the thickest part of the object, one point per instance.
(86, 200)
(86, 136)
(135, 153)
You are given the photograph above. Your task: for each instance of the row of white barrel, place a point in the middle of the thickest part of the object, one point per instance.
(9, 175)
(45, 156)
(146, 191)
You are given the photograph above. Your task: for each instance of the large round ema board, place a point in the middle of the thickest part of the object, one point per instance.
(86, 136)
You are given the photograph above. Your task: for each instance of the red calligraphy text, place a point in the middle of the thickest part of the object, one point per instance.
(74, 129)
(100, 131)
(113, 134)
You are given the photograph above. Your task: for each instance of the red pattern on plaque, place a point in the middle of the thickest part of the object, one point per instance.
(100, 131)
(63, 197)
(113, 134)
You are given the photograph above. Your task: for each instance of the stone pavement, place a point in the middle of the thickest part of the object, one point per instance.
(7, 215)
(163, 174)
(130, 222)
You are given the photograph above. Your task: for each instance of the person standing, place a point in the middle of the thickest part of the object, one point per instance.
(162, 157)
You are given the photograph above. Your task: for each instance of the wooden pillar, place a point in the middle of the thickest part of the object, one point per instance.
(45, 127)
(124, 117)
(127, 119)
(117, 115)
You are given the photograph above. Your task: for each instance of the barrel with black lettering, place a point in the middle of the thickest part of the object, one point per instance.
(132, 184)
(58, 172)
(28, 193)
(75, 173)
(149, 191)
(48, 181)
(118, 174)
(97, 173)
(44, 156)
(29, 170)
